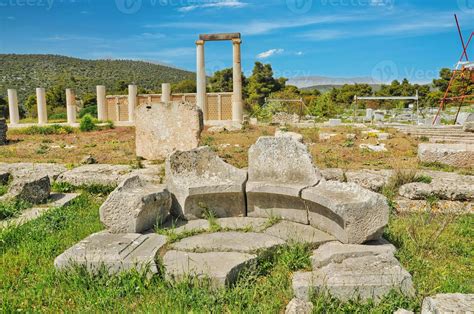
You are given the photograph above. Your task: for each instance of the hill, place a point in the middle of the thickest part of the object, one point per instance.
(326, 88)
(26, 72)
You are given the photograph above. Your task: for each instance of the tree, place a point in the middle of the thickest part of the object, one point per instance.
(186, 86)
(56, 99)
(322, 106)
(30, 106)
(262, 83)
(221, 81)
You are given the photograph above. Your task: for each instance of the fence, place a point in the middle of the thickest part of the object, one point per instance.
(219, 105)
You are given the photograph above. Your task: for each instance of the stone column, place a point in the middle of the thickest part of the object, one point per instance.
(13, 106)
(132, 102)
(101, 103)
(237, 102)
(71, 106)
(41, 104)
(165, 92)
(201, 97)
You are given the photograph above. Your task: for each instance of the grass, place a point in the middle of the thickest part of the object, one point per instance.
(402, 177)
(12, 208)
(45, 130)
(28, 281)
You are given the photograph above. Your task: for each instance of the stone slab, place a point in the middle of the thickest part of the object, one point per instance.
(373, 180)
(166, 127)
(293, 135)
(456, 155)
(25, 168)
(293, 232)
(336, 252)
(448, 303)
(100, 174)
(221, 268)
(297, 306)
(243, 242)
(115, 252)
(243, 223)
(368, 277)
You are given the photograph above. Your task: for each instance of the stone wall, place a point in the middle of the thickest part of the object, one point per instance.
(219, 105)
(3, 131)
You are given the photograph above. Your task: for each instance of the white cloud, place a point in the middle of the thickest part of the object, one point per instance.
(382, 3)
(216, 4)
(269, 53)
(299, 53)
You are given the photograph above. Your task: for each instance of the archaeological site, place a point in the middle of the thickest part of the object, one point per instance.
(128, 184)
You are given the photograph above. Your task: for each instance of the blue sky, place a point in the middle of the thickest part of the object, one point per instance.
(382, 39)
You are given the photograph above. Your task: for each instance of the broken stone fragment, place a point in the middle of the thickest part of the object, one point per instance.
(135, 206)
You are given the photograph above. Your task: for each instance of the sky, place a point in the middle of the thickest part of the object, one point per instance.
(378, 39)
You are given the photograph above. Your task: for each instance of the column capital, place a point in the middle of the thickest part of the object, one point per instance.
(199, 42)
(236, 41)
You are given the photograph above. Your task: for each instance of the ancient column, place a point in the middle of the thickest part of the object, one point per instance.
(201, 97)
(101, 103)
(165, 92)
(71, 106)
(41, 104)
(13, 106)
(237, 103)
(132, 102)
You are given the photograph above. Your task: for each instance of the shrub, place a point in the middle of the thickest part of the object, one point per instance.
(92, 110)
(58, 116)
(87, 123)
(45, 130)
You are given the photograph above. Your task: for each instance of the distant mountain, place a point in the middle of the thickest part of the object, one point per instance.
(26, 72)
(313, 81)
(325, 88)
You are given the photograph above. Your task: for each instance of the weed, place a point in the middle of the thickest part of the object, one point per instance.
(424, 139)
(45, 130)
(11, 208)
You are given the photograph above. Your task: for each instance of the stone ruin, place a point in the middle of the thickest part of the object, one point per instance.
(280, 199)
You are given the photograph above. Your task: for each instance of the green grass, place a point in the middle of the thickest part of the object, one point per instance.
(3, 189)
(12, 208)
(28, 281)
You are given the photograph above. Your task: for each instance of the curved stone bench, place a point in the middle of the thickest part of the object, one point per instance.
(283, 182)
(347, 211)
(201, 182)
(279, 169)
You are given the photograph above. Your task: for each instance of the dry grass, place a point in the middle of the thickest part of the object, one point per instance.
(117, 146)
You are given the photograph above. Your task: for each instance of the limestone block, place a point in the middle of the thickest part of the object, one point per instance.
(201, 183)
(135, 206)
(279, 168)
(444, 190)
(346, 211)
(102, 174)
(456, 155)
(34, 188)
(374, 148)
(333, 174)
(244, 242)
(334, 122)
(295, 136)
(27, 169)
(115, 252)
(162, 128)
(297, 306)
(373, 180)
(468, 127)
(326, 136)
(336, 252)
(221, 268)
(242, 223)
(368, 277)
(293, 232)
(448, 303)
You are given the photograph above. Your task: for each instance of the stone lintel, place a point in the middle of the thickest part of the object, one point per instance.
(223, 36)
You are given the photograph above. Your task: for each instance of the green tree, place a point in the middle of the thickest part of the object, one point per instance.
(185, 86)
(56, 99)
(262, 83)
(322, 106)
(30, 106)
(221, 81)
